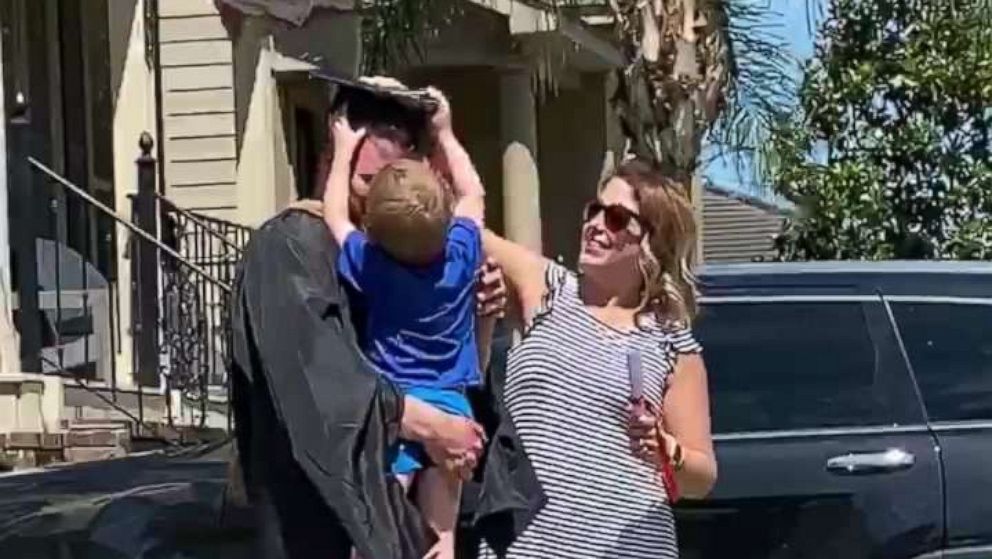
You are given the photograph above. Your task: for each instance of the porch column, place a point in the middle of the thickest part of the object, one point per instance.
(521, 183)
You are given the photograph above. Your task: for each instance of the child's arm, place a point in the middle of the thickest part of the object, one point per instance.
(336, 189)
(470, 195)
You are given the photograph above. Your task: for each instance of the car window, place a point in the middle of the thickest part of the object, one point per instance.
(785, 365)
(951, 351)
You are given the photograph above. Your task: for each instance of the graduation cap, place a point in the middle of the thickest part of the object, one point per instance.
(381, 108)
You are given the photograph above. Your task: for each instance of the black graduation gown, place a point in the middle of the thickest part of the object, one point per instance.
(505, 495)
(313, 421)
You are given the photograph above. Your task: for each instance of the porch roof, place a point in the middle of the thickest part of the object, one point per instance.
(292, 11)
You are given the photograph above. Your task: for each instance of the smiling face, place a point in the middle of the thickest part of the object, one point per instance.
(612, 232)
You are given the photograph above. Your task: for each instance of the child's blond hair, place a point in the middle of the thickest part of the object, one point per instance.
(408, 212)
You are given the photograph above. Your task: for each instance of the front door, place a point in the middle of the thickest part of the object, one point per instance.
(822, 445)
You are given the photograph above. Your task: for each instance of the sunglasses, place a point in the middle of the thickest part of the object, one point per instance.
(616, 217)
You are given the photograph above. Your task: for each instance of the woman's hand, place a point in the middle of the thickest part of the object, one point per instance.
(346, 139)
(646, 433)
(683, 429)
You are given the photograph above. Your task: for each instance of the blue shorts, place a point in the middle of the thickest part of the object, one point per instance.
(409, 457)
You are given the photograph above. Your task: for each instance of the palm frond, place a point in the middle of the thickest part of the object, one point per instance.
(763, 86)
(763, 80)
(394, 31)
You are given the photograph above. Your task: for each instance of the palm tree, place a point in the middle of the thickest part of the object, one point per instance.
(693, 69)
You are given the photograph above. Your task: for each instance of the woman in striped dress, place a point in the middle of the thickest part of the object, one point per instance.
(567, 388)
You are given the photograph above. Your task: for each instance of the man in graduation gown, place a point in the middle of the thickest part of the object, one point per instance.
(313, 420)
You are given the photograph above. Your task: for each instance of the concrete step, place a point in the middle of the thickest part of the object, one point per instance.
(29, 450)
(102, 421)
(100, 425)
(97, 439)
(93, 453)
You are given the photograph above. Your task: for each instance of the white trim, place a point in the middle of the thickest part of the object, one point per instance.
(938, 427)
(972, 552)
(939, 299)
(923, 299)
(976, 425)
(603, 19)
(605, 50)
(825, 432)
(4, 208)
(525, 19)
(791, 299)
(282, 64)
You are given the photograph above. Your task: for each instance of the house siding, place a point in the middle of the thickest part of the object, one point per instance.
(198, 108)
(736, 229)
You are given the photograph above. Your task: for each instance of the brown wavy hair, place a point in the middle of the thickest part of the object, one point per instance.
(668, 248)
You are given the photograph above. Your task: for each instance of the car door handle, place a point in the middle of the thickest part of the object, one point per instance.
(864, 463)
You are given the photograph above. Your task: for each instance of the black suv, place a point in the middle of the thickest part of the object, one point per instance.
(852, 411)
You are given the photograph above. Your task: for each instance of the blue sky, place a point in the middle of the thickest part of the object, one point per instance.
(790, 18)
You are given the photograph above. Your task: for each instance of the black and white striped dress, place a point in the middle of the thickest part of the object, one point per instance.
(567, 392)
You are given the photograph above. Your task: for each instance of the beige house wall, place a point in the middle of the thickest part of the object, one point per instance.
(270, 85)
(198, 108)
(257, 175)
(134, 113)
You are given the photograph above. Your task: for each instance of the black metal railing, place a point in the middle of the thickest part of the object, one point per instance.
(182, 268)
(195, 325)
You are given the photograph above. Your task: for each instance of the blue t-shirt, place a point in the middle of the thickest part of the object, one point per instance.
(420, 322)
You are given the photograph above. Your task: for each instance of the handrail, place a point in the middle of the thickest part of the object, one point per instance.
(127, 223)
(199, 222)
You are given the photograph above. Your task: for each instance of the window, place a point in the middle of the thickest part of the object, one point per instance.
(783, 366)
(951, 351)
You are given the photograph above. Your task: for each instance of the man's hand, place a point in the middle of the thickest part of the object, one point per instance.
(491, 290)
(456, 445)
(441, 119)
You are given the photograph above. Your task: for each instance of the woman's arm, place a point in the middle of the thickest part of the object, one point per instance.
(686, 421)
(524, 271)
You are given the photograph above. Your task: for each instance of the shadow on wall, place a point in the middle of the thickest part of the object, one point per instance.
(75, 303)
